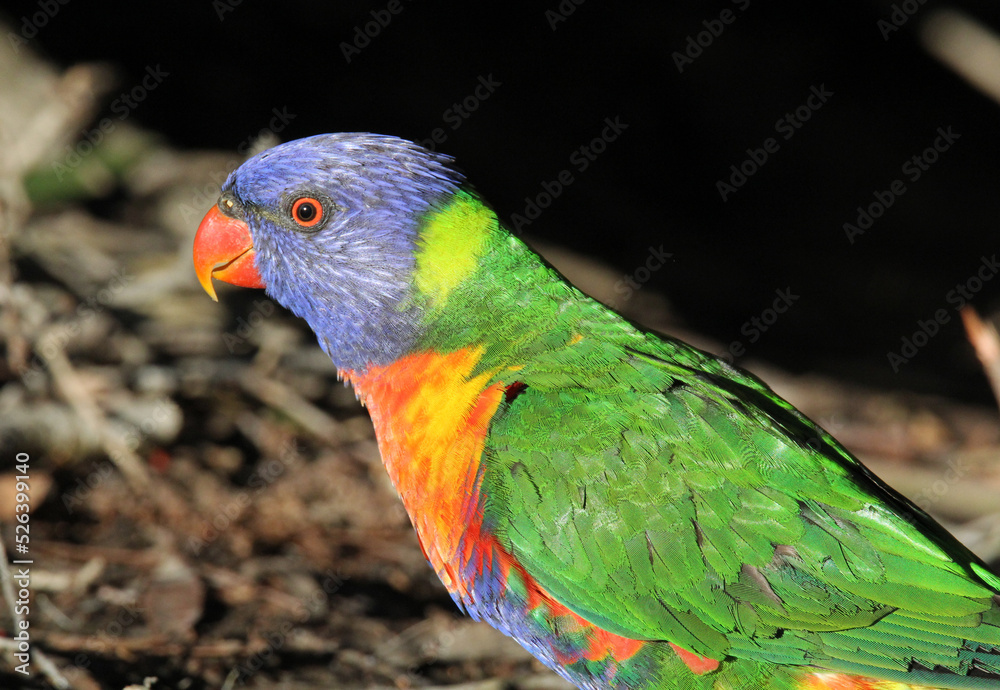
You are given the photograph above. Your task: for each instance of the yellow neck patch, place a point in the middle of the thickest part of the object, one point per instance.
(451, 245)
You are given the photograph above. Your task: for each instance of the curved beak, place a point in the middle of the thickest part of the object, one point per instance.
(223, 250)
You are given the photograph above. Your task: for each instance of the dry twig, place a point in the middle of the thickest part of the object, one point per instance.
(986, 341)
(968, 47)
(77, 395)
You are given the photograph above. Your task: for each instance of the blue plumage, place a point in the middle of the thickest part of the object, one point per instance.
(376, 192)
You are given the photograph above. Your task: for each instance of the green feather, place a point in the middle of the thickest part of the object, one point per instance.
(664, 495)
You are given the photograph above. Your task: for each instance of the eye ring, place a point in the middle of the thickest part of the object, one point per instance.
(307, 211)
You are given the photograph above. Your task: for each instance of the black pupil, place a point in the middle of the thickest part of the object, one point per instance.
(306, 212)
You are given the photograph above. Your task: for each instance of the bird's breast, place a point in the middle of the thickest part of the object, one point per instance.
(431, 415)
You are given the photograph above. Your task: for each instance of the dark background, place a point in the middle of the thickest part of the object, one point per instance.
(230, 64)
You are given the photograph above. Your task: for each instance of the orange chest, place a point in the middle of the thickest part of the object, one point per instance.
(431, 414)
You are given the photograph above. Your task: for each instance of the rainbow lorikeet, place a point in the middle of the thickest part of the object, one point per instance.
(635, 512)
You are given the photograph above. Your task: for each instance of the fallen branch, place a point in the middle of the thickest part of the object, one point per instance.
(985, 340)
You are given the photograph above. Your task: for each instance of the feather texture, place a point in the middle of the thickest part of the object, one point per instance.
(637, 513)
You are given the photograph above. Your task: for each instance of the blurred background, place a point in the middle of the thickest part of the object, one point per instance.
(210, 507)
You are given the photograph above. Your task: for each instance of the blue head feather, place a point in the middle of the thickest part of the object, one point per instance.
(350, 277)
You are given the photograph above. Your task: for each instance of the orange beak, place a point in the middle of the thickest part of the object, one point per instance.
(223, 249)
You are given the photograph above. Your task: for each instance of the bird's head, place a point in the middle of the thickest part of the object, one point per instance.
(331, 226)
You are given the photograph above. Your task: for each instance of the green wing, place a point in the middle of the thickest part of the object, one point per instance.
(663, 495)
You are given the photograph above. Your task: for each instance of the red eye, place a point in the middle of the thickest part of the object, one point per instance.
(307, 211)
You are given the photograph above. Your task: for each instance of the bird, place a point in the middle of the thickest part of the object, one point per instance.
(635, 512)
